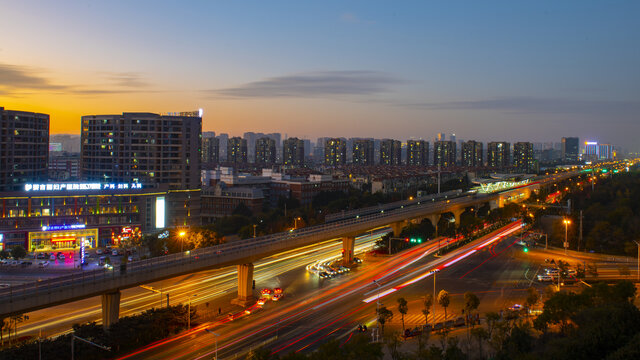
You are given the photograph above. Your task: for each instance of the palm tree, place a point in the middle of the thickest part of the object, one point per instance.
(444, 300)
(384, 314)
(402, 309)
(428, 302)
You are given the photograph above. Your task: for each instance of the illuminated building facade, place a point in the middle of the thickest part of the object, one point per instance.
(48, 216)
(444, 153)
(498, 154)
(472, 154)
(24, 148)
(523, 157)
(362, 152)
(417, 153)
(237, 150)
(293, 152)
(390, 152)
(335, 152)
(265, 151)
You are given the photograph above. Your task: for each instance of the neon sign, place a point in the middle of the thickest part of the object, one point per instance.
(63, 227)
(81, 186)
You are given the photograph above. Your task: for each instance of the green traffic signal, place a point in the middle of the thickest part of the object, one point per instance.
(526, 249)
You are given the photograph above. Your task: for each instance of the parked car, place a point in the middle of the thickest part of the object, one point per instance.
(52, 257)
(43, 264)
(61, 256)
(99, 251)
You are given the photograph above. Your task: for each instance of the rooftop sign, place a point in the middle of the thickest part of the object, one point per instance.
(81, 186)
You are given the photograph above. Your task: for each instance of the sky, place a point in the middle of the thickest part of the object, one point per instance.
(484, 70)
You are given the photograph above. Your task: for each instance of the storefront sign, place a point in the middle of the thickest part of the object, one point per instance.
(63, 227)
(81, 186)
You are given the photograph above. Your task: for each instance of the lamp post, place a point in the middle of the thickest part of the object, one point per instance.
(182, 234)
(295, 224)
(378, 306)
(189, 311)
(254, 236)
(638, 244)
(566, 230)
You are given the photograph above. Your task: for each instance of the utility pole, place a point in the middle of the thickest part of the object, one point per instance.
(580, 235)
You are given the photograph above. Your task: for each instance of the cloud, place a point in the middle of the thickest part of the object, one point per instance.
(14, 78)
(526, 104)
(314, 85)
(128, 79)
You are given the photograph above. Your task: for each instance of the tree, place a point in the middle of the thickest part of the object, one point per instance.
(18, 252)
(444, 300)
(402, 309)
(3, 324)
(481, 335)
(4, 254)
(428, 302)
(471, 303)
(384, 315)
(532, 298)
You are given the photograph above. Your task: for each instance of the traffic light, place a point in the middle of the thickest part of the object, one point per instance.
(413, 240)
(419, 241)
(526, 249)
(406, 239)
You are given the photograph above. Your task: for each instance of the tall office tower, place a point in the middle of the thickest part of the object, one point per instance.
(390, 152)
(498, 154)
(444, 153)
(293, 152)
(472, 154)
(265, 151)
(570, 149)
(24, 148)
(523, 158)
(453, 137)
(210, 151)
(591, 150)
(605, 152)
(251, 138)
(308, 149)
(143, 147)
(335, 152)
(224, 142)
(362, 150)
(417, 153)
(237, 150)
(440, 137)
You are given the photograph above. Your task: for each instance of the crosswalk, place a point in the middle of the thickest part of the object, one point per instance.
(416, 319)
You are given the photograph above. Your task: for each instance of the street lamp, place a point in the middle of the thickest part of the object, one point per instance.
(566, 230)
(295, 225)
(378, 307)
(189, 311)
(182, 234)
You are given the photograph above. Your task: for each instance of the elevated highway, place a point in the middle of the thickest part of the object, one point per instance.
(108, 283)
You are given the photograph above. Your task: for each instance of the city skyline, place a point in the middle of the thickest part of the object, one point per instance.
(539, 72)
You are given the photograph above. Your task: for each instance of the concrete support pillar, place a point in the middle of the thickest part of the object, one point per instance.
(457, 213)
(397, 228)
(110, 308)
(494, 204)
(245, 285)
(348, 244)
(435, 219)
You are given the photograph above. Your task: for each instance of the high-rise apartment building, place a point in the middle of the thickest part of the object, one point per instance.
(472, 154)
(293, 151)
(143, 147)
(224, 143)
(237, 150)
(444, 153)
(210, 151)
(24, 148)
(390, 152)
(523, 158)
(335, 152)
(441, 137)
(417, 153)
(265, 151)
(570, 149)
(362, 150)
(498, 154)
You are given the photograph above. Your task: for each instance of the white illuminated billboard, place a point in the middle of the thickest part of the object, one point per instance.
(160, 212)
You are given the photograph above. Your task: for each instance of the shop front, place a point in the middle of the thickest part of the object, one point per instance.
(63, 237)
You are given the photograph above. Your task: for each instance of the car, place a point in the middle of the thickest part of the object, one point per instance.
(572, 272)
(277, 291)
(102, 261)
(52, 257)
(43, 264)
(276, 297)
(99, 252)
(265, 292)
(324, 275)
(14, 263)
(552, 271)
(4, 285)
(42, 256)
(108, 266)
(61, 256)
(114, 252)
(357, 260)
(515, 307)
(130, 258)
(262, 301)
(26, 263)
(545, 278)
